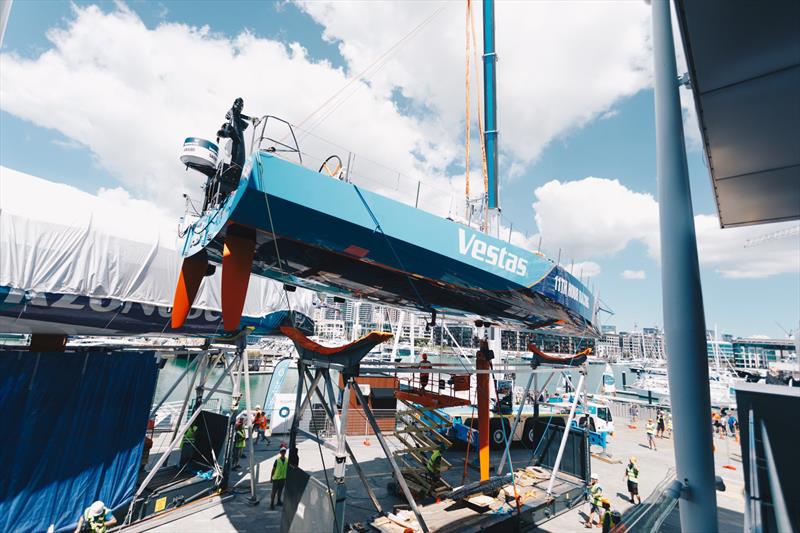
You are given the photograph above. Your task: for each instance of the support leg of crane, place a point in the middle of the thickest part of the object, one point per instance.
(237, 260)
(192, 271)
(395, 468)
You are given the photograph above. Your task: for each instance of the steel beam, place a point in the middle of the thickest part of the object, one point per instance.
(390, 456)
(329, 411)
(247, 406)
(684, 323)
(174, 444)
(775, 490)
(514, 426)
(564, 438)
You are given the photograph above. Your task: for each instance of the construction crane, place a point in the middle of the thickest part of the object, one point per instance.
(775, 235)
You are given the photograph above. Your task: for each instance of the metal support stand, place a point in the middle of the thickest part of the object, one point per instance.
(253, 500)
(192, 365)
(395, 468)
(298, 399)
(782, 519)
(563, 444)
(514, 425)
(341, 457)
(684, 323)
(330, 411)
(189, 393)
(176, 439)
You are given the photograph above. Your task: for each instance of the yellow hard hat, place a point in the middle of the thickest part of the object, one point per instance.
(633, 459)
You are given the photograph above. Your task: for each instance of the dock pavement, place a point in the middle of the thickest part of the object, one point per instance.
(236, 514)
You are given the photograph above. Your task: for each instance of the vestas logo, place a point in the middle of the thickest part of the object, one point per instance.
(491, 254)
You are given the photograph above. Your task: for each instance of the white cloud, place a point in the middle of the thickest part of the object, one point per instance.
(724, 249)
(597, 217)
(131, 94)
(560, 64)
(633, 274)
(584, 269)
(594, 217)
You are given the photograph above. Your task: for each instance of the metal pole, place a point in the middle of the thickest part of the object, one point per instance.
(514, 425)
(397, 473)
(776, 493)
(172, 445)
(198, 397)
(752, 511)
(247, 406)
(5, 12)
(296, 418)
(172, 388)
(341, 456)
(684, 323)
(490, 103)
(188, 395)
(563, 444)
(329, 409)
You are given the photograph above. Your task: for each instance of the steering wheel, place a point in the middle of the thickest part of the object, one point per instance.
(332, 173)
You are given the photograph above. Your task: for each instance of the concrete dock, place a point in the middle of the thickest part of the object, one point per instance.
(237, 514)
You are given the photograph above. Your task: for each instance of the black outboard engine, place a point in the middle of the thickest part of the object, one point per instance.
(203, 155)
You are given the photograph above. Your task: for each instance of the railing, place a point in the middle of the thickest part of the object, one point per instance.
(438, 196)
(316, 422)
(620, 409)
(433, 382)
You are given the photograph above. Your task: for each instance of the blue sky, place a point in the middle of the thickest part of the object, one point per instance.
(611, 139)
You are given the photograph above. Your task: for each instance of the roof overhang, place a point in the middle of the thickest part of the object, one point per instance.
(744, 64)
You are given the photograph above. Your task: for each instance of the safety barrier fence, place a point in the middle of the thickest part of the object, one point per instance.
(621, 409)
(316, 422)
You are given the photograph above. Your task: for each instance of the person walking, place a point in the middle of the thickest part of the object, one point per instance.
(632, 477)
(651, 434)
(595, 495)
(669, 425)
(634, 413)
(605, 518)
(239, 442)
(278, 477)
(732, 424)
(97, 518)
(661, 425)
(260, 426)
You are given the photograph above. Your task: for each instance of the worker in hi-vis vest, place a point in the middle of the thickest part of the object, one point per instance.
(434, 464)
(96, 518)
(278, 477)
(651, 434)
(595, 495)
(632, 476)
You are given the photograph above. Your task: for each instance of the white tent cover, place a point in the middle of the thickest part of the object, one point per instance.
(55, 238)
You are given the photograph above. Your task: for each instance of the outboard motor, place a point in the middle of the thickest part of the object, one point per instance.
(200, 155)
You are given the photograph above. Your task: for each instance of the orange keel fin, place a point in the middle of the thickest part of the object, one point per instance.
(192, 271)
(237, 261)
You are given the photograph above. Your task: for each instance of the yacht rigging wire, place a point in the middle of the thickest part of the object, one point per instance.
(371, 69)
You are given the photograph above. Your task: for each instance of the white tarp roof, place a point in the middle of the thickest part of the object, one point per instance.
(55, 238)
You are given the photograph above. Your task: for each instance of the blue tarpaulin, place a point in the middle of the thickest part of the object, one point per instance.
(72, 432)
